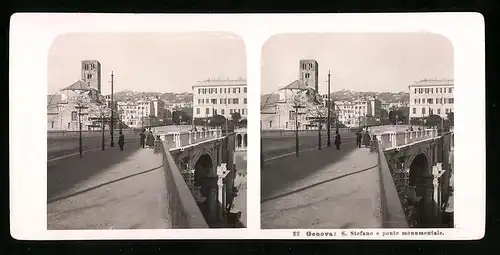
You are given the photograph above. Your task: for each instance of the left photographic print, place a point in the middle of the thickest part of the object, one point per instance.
(146, 131)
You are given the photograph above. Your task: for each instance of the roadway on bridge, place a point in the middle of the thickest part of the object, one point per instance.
(320, 189)
(109, 189)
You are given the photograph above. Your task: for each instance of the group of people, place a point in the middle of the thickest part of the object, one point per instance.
(147, 138)
(363, 139)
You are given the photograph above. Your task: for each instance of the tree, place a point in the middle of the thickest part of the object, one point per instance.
(101, 111)
(217, 121)
(318, 112)
(236, 116)
(243, 122)
(298, 99)
(384, 116)
(433, 120)
(451, 118)
(179, 116)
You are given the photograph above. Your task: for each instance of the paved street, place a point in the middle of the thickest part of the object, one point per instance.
(319, 189)
(67, 145)
(109, 189)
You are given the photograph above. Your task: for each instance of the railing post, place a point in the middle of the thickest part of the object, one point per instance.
(406, 137)
(394, 140)
(178, 142)
(190, 137)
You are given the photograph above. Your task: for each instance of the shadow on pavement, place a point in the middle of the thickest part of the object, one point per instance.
(101, 185)
(277, 174)
(64, 174)
(316, 184)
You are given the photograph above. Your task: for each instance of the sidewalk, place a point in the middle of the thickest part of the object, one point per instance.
(342, 194)
(127, 195)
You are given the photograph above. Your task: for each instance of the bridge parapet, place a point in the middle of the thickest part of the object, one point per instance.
(393, 215)
(182, 207)
(396, 139)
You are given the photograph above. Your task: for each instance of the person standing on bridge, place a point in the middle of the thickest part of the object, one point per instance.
(151, 140)
(121, 141)
(337, 140)
(143, 138)
(358, 138)
(366, 139)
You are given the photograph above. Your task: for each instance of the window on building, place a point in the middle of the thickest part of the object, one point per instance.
(415, 101)
(235, 101)
(197, 110)
(450, 90)
(74, 116)
(414, 110)
(207, 101)
(432, 90)
(234, 90)
(415, 90)
(220, 90)
(430, 101)
(245, 100)
(52, 124)
(291, 115)
(239, 90)
(423, 110)
(214, 112)
(207, 110)
(222, 111)
(230, 111)
(220, 101)
(214, 101)
(419, 101)
(242, 111)
(245, 90)
(439, 111)
(270, 123)
(451, 100)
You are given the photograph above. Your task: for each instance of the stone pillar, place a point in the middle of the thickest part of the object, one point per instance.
(437, 172)
(190, 134)
(221, 194)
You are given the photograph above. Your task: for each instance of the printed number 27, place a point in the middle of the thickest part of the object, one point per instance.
(296, 233)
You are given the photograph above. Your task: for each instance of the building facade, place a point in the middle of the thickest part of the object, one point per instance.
(431, 97)
(360, 112)
(91, 73)
(219, 97)
(308, 70)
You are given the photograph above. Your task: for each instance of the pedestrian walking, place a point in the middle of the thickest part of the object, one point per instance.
(151, 140)
(358, 138)
(121, 141)
(337, 140)
(366, 139)
(143, 138)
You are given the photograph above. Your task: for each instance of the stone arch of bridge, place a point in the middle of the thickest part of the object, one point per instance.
(419, 174)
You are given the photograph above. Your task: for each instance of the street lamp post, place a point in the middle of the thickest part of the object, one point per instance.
(111, 128)
(80, 127)
(328, 143)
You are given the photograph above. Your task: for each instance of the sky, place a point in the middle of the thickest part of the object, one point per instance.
(155, 62)
(360, 62)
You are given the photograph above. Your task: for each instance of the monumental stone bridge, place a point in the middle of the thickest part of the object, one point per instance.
(200, 172)
(418, 165)
(185, 181)
(396, 179)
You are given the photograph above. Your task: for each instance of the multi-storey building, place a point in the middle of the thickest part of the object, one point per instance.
(145, 110)
(91, 73)
(431, 97)
(219, 97)
(128, 114)
(360, 112)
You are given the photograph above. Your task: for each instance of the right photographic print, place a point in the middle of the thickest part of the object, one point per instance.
(357, 131)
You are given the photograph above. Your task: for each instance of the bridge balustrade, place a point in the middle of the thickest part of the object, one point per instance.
(182, 139)
(401, 138)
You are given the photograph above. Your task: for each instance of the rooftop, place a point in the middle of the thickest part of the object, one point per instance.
(212, 82)
(432, 82)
